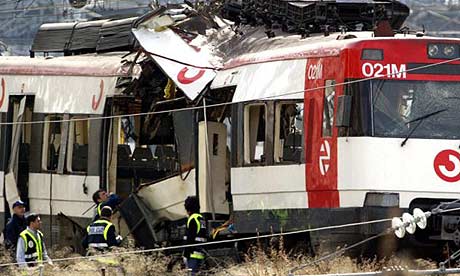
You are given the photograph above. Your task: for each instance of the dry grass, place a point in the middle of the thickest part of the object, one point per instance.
(276, 261)
(129, 264)
(258, 262)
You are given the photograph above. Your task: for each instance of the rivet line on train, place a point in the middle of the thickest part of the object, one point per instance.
(229, 103)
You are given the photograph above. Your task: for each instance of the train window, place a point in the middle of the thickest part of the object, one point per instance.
(416, 109)
(328, 108)
(77, 148)
(254, 133)
(288, 132)
(51, 142)
(360, 120)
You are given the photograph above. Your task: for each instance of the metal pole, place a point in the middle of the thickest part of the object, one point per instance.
(40, 269)
(209, 189)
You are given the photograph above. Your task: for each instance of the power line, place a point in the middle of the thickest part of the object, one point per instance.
(229, 103)
(435, 210)
(162, 249)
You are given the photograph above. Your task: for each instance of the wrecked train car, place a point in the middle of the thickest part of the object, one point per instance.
(319, 122)
(97, 116)
(267, 128)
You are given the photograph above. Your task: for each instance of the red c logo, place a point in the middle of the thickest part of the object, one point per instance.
(447, 165)
(95, 103)
(3, 92)
(186, 80)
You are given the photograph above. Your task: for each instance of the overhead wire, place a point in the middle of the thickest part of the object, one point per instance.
(385, 232)
(275, 96)
(162, 249)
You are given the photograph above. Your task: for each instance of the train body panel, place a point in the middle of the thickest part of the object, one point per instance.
(384, 166)
(399, 150)
(269, 187)
(67, 194)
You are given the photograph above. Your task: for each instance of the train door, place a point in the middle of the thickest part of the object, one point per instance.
(18, 141)
(321, 138)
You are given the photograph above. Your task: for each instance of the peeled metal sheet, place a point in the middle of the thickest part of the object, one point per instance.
(190, 69)
(283, 79)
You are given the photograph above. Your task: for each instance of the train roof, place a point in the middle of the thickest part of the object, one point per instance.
(254, 46)
(94, 65)
(88, 78)
(272, 63)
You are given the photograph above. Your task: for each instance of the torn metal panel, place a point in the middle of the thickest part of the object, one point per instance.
(11, 184)
(63, 146)
(227, 78)
(140, 221)
(190, 69)
(270, 80)
(166, 198)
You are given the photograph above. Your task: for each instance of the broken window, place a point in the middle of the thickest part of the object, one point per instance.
(328, 108)
(254, 133)
(288, 132)
(146, 156)
(77, 156)
(51, 142)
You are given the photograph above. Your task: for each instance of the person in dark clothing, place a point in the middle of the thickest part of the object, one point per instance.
(15, 226)
(101, 233)
(195, 233)
(101, 198)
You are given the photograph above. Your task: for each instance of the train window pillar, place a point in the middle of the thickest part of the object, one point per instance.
(77, 148)
(254, 133)
(288, 132)
(328, 108)
(51, 142)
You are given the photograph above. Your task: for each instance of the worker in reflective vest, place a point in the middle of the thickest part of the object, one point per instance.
(30, 249)
(101, 233)
(195, 234)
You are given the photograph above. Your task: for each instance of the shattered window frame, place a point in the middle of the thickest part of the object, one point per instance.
(279, 144)
(47, 129)
(250, 153)
(73, 125)
(328, 108)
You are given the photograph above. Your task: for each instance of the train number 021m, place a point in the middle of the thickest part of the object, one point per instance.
(378, 70)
